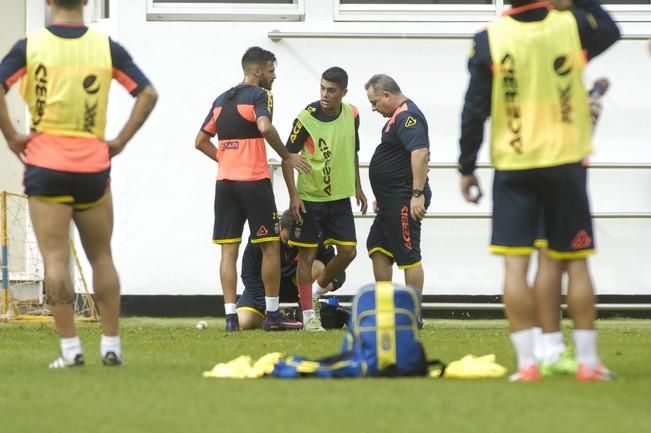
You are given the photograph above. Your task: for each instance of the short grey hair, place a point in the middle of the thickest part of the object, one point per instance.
(383, 83)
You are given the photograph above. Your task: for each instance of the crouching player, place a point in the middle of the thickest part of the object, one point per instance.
(251, 305)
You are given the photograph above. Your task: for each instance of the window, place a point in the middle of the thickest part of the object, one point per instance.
(101, 9)
(227, 1)
(417, 10)
(625, 2)
(413, 2)
(223, 10)
(634, 11)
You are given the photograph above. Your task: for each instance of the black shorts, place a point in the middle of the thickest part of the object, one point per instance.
(331, 221)
(80, 190)
(239, 201)
(397, 235)
(252, 299)
(560, 194)
(541, 236)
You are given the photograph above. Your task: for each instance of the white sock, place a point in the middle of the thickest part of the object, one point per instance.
(585, 345)
(272, 303)
(230, 308)
(110, 344)
(307, 315)
(553, 347)
(523, 345)
(70, 347)
(538, 348)
(318, 291)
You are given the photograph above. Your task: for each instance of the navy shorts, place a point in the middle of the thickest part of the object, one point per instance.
(80, 190)
(331, 221)
(239, 201)
(541, 237)
(396, 234)
(559, 194)
(252, 299)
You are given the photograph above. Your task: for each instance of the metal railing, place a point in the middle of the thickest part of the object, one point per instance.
(274, 165)
(277, 35)
(495, 306)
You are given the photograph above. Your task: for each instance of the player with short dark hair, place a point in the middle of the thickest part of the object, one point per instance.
(526, 74)
(255, 56)
(398, 175)
(241, 118)
(326, 134)
(69, 4)
(250, 306)
(66, 71)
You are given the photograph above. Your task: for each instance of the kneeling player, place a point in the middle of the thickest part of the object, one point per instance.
(251, 305)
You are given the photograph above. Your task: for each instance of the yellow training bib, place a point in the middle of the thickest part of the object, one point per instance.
(539, 108)
(67, 83)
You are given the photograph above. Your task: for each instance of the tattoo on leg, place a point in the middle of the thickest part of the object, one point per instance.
(59, 293)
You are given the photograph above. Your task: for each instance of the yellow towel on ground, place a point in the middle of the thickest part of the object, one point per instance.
(475, 367)
(243, 367)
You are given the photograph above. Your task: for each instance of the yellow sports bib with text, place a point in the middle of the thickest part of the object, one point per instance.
(539, 109)
(67, 83)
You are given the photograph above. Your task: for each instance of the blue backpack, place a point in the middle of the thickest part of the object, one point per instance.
(382, 339)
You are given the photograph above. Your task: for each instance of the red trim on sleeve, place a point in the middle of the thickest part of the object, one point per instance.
(211, 125)
(16, 76)
(309, 145)
(247, 111)
(125, 80)
(400, 109)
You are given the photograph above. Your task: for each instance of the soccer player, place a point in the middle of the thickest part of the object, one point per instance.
(550, 349)
(66, 70)
(526, 73)
(398, 174)
(241, 118)
(326, 133)
(251, 305)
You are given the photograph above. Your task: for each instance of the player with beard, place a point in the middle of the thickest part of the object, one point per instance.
(241, 118)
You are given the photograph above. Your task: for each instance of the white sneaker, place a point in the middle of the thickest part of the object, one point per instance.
(311, 322)
(78, 361)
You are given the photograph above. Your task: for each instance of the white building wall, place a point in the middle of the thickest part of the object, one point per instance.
(163, 187)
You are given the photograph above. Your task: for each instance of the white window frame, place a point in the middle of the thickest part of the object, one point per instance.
(225, 11)
(459, 13)
(98, 10)
(630, 13)
(415, 12)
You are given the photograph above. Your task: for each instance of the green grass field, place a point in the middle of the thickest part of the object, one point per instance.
(161, 389)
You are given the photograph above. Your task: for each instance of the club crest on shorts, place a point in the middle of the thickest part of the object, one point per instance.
(262, 231)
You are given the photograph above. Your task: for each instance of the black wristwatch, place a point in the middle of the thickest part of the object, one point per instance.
(416, 192)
